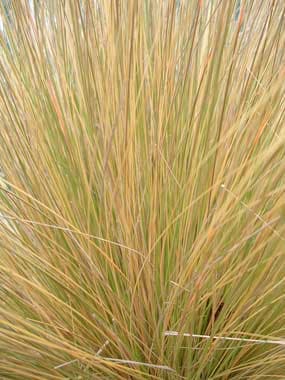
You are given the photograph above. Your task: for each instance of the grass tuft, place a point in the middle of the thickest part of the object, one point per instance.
(142, 222)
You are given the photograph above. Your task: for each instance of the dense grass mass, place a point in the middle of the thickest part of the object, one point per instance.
(142, 151)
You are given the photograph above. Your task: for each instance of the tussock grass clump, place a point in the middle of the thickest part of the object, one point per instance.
(142, 197)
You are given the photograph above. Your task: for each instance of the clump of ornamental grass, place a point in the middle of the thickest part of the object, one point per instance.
(142, 191)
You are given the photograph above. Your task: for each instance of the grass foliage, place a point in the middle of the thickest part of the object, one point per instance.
(142, 151)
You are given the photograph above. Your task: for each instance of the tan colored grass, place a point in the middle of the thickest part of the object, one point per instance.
(142, 203)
